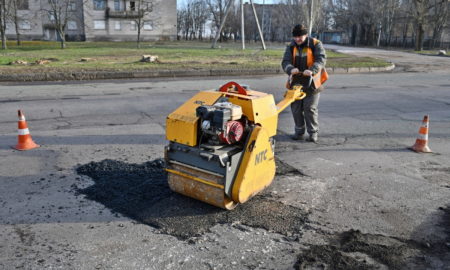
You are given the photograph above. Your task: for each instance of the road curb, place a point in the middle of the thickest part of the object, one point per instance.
(104, 75)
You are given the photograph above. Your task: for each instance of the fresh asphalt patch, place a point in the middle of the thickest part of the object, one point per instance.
(141, 192)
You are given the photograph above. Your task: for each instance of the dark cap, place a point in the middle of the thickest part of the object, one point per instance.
(299, 30)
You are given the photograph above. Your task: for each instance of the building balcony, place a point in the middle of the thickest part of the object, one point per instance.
(125, 14)
(49, 25)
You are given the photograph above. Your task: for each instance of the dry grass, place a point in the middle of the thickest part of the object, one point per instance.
(175, 55)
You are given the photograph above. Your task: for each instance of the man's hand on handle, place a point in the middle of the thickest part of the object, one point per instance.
(306, 73)
(295, 71)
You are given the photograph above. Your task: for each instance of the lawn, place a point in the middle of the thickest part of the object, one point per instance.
(173, 55)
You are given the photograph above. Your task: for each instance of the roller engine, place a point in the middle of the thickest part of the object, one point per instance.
(221, 146)
(221, 123)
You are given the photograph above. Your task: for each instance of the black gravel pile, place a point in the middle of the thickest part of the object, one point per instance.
(141, 192)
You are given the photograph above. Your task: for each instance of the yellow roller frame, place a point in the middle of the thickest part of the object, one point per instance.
(257, 168)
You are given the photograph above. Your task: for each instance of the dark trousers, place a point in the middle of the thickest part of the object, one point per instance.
(306, 114)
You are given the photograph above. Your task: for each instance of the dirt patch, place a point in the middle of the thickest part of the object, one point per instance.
(141, 192)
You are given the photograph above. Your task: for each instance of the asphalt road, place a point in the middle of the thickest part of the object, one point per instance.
(357, 199)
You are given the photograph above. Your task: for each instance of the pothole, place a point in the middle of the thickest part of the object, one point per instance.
(285, 169)
(436, 175)
(141, 192)
(355, 250)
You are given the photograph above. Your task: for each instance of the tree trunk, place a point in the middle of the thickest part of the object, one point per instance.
(139, 37)
(419, 37)
(17, 33)
(3, 23)
(405, 35)
(63, 39)
(3, 40)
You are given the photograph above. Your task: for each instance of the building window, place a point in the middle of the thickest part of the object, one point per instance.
(99, 4)
(72, 6)
(117, 5)
(132, 5)
(148, 25)
(117, 25)
(22, 5)
(99, 24)
(51, 16)
(133, 25)
(72, 25)
(24, 25)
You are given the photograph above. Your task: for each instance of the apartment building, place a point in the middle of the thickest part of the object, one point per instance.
(95, 20)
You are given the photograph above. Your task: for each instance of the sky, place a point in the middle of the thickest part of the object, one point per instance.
(181, 2)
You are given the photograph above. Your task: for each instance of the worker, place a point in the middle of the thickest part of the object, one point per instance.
(304, 62)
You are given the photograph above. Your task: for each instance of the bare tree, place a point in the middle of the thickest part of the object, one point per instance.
(218, 10)
(5, 8)
(192, 18)
(181, 23)
(232, 27)
(16, 18)
(143, 9)
(60, 12)
(419, 13)
(295, 12)
(361, 18)
(389, 12)
(438, 19)
(199, 16)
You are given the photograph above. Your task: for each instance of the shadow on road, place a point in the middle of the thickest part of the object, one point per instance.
(156, 139)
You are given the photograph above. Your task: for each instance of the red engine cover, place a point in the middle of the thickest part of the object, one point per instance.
(234, 133)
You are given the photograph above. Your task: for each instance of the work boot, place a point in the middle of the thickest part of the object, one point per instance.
(313, 137)
(298, 137)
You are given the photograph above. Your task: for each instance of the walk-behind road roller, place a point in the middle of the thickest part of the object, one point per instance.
(221, 148)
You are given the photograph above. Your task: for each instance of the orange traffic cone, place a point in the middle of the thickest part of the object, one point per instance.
(421, 145)
(24, 141)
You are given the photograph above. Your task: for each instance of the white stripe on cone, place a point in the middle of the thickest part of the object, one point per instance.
(423, 137)
(24, 131)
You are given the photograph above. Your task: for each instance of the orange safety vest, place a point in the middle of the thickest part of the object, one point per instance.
(322, 76)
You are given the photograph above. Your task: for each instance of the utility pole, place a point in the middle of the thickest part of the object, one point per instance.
(242, 25)
(227, 10)
(311, 17)
(263, 20)
(259, 27)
